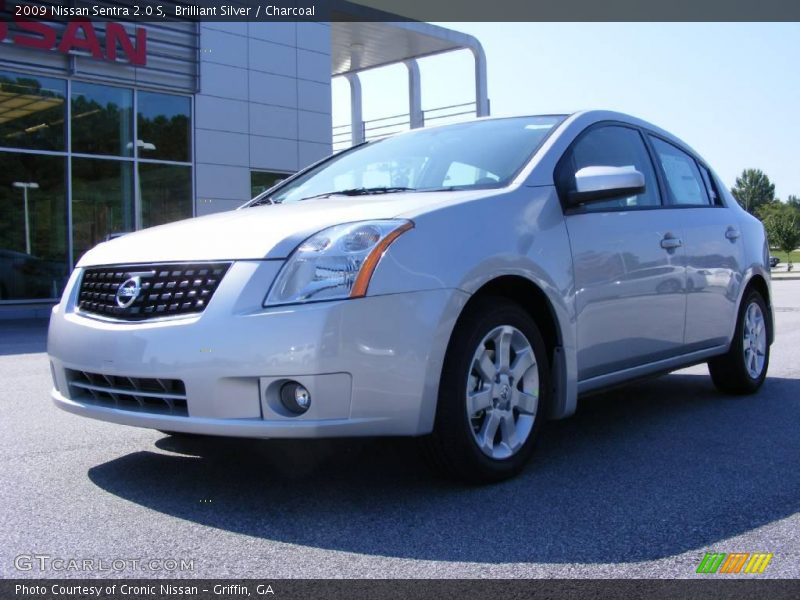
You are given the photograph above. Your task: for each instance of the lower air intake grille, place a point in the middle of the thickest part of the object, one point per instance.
(159, 396)
(149, 291)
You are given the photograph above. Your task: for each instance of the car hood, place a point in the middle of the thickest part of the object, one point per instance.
(269, 231)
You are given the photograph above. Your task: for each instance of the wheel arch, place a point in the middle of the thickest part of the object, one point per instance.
(534, 300)
(759, 283)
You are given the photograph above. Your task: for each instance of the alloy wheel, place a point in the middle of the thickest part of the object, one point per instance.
(502, 392)
(754, 340)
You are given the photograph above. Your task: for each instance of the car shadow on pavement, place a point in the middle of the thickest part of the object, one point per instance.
(640, 473)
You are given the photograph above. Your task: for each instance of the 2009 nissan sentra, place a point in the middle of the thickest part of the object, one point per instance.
(462, 283)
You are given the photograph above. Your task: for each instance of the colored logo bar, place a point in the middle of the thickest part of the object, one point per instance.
(736, 562)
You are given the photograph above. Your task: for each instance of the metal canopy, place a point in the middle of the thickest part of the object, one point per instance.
(358, 45)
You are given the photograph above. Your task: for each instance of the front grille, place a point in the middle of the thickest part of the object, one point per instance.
(151, 290)
(159, 396)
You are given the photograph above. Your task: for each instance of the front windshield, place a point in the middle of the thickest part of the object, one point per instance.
(476, 154)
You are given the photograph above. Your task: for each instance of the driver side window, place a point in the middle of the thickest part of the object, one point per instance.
(610, 146)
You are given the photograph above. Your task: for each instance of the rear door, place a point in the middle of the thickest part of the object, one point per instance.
(714, 249)
(628, 260)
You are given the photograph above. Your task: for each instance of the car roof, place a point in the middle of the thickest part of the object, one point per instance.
(585, 117)
(597, 116)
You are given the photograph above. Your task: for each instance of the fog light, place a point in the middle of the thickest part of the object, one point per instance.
(295, 397)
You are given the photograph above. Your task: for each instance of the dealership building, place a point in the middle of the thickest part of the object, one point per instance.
(106, 128)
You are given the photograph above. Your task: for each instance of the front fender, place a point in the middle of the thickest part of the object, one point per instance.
(464, 246)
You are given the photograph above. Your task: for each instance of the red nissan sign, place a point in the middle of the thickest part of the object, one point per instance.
(78, 35)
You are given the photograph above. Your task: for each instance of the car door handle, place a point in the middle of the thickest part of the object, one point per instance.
(670, 242)
(732, 234)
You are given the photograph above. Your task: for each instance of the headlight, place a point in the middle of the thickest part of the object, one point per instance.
(335, 263)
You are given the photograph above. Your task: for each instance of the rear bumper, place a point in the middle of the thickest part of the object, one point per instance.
(372, 364)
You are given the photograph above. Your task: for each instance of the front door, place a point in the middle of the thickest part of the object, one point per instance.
(628, 260)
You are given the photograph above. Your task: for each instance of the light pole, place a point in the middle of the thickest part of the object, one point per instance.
(25, 186)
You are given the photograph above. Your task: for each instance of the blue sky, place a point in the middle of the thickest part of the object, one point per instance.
(730, 90)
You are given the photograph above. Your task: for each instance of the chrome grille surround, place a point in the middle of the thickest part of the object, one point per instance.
(161, 290)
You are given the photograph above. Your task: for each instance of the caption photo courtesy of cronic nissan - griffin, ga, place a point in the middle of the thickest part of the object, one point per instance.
(461, 284)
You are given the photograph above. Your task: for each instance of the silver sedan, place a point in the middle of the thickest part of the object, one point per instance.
(462, 284)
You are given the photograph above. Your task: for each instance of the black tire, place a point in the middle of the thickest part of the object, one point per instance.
(729, 372)
(452, 449)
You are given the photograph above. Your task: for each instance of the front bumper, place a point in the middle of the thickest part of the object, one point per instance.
(372, 364)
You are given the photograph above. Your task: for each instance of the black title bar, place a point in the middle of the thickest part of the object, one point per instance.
(709, 588)
(411, 10)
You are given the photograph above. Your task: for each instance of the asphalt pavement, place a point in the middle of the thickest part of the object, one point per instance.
(641, 482)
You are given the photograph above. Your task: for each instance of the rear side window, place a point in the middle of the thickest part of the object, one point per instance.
(710, 186)
(610, 146)
(685, 184)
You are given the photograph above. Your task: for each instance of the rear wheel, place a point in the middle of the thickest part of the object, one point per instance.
(492, 395)
(743, 369)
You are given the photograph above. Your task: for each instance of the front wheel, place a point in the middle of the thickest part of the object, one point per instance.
(743, 369)
(492, 395)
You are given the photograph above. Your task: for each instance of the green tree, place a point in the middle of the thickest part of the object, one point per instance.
(793, 200)
(783, 231)
(753, 189)
(765, 211)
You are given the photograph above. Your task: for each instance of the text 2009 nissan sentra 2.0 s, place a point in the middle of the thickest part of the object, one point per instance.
(461, 283)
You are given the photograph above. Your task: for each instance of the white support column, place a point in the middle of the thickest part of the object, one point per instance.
(415, 114)
(481, 86)
(356, 113)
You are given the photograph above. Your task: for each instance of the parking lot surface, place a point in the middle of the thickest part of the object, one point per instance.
(641, 482)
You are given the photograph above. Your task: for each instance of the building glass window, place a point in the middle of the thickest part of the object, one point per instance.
(166, 193)
(33, 226)
(261, 181)
(102, 119)
(164, 127)
(102, 201)
(31, 111)
(108, 152)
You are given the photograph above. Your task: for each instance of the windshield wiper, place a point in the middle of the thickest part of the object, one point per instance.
(362, 191)
(376, 190)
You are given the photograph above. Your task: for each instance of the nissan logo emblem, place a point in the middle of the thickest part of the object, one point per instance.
(128, 291)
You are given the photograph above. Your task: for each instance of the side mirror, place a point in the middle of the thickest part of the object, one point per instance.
(603, 183)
